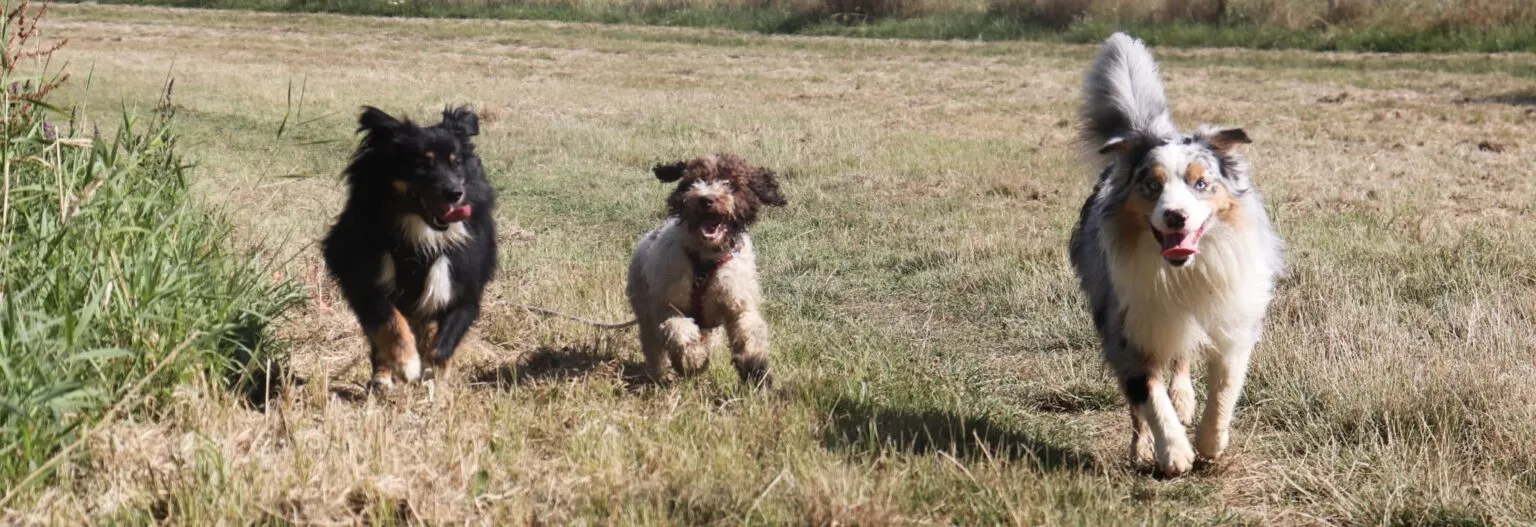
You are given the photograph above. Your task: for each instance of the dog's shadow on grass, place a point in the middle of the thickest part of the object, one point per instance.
(1515, 98)
(864, 430)
(255, 379)
(561, 363)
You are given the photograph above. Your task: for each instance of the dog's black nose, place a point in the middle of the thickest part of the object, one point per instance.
(453, 195)
(1174, 219)
(706, 201)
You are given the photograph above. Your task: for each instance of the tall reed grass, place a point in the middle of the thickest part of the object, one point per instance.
(115, 287)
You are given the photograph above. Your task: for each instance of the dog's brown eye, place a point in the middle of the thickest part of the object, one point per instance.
(1152, 186)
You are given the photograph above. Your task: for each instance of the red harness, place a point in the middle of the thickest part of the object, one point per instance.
(703, 275)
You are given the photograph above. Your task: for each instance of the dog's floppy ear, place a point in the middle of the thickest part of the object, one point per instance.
(375, 120)
(767, 188)
(1225, 140)
(462, 121)
(670, 173)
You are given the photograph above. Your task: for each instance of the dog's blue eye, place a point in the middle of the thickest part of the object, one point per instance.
(1153, 186)
(1201, 185)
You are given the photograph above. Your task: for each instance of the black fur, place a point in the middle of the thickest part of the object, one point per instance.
(670, 173)
(1138, 389)
(431, 164)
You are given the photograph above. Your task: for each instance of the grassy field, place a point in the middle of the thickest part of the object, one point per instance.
(1351, 25)
(936, 363)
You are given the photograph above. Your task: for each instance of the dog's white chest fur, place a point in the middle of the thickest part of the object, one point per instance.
(662, 272)
(429, 240)
(1176, 309)
(436, 288)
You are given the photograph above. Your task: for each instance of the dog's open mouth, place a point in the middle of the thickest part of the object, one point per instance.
(713, 230)
(1179, 246)
(441, 215)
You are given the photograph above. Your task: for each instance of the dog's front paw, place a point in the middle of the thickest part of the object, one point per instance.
(691, 360)
(1211, 442)
(680, 332)
(1175, 459)
(410, 369)
(381, 383)
(753, 371)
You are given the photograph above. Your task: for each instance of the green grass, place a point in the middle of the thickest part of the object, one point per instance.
(116, 288)
(998, 21)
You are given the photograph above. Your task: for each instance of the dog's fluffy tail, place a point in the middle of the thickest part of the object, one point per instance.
(1123, 99)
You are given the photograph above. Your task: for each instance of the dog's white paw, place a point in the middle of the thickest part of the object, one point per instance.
(382, 382)
(1175, 459)
(1211, 442)
(410, 369)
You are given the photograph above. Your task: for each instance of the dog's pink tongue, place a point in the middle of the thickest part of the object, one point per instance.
(1180, 244)
(455, 214)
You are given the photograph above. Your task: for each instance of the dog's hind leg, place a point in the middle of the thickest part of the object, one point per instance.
(1140, 437)
(1227, 370)
(426, 340)
(749, 347)
(393, 351)
(655, 349)
(1181, 390)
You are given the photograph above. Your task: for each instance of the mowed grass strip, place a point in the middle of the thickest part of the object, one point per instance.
(937, 364)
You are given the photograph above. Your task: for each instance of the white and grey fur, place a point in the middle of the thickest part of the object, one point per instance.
(1155, 315)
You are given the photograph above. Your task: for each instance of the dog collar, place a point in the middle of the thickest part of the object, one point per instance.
(703, 274)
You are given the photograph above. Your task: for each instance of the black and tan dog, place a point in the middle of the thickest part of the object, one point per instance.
(416, 243)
